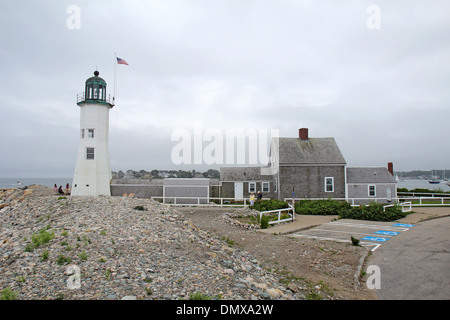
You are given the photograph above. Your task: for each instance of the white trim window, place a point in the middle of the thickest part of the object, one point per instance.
(329, 184)
(265, 186)
(251, 187)
(90, 152)
(90, 133)
(82, 133)
(372, 190)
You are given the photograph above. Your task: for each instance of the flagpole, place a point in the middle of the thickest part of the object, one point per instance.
(115, 67)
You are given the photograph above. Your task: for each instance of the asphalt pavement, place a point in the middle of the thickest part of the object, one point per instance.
(416, 264)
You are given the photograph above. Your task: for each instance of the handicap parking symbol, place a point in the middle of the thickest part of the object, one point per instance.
(379, 239)
(403, 225)
(387, 233)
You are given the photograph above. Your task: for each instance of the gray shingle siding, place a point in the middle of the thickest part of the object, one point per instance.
(309, 181)
(359, 179)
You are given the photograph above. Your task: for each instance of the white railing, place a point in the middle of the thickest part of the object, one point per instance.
(279, 211)
(422, 194)
(403, 205)
(432, 201)
(204, 201)
(352, 201)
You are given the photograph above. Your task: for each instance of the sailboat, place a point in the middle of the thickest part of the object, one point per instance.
(434, 181)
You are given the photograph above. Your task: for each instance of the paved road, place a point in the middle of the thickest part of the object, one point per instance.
(416, 264)
(370, 233)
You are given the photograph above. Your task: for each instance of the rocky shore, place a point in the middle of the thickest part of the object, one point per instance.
(121, 247)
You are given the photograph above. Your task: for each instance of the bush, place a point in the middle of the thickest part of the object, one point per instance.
(374, 212)
(267, 205)
(264, 222)
(321, 207)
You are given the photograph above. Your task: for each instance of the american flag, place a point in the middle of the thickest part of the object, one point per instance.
(121, 61)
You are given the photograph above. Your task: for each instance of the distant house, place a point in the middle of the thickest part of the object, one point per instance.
(371, 184)
(240, 182)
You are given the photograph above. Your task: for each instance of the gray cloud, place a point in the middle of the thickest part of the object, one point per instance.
(383, 94)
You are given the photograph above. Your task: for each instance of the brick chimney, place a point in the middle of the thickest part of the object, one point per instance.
(391, 167)
(303, 134)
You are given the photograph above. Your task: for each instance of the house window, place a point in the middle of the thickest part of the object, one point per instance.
(265, 187)
(82, 133)
(372, 191)
(329, 184)
(90, 153)
(252, 187)
(275, 185)
(90, 133)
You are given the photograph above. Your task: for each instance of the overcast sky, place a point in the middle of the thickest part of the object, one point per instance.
(380, 87)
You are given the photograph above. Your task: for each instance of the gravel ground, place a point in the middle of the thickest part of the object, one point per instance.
(318, 269)
(160, 252)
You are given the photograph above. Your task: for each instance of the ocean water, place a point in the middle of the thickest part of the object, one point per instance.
(22, 182)
(413, 184)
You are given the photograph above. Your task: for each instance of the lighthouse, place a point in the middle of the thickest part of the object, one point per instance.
(92, 175)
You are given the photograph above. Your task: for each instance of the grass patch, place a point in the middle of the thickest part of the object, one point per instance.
(8, 294)
(63, 260)
(198, 296)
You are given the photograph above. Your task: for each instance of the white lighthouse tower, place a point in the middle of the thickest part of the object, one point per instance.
(92, 171)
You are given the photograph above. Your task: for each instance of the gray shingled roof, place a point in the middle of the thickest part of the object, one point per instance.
(369, 175)
(312, 151)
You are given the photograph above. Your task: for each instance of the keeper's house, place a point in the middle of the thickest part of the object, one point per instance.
(306, 167)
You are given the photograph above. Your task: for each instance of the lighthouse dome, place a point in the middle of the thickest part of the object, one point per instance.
(96, 79)
(95, 92)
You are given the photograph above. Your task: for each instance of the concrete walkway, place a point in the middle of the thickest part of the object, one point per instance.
(303, 222)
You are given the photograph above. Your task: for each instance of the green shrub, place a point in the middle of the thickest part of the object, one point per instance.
(374, 212)
(355, 241)
(264, 222)
(321, 207)
(267, 205)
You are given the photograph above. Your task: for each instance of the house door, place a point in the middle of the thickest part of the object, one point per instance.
(238, 190)
(389, 195)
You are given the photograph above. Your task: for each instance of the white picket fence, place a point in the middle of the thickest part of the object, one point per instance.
(280, 211)
(204, 201)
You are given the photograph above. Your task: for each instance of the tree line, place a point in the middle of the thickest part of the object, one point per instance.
(161, 174)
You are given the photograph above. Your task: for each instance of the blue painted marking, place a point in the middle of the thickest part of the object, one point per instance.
(404, 225)
(387, 233)
(375, 239)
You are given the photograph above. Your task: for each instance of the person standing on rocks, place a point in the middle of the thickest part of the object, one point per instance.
(56, 188)
(67, 188)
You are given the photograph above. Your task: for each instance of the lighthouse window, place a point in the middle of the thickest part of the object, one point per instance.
(90, 153)
(95, 91)
(82, 133)
(90, 133)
